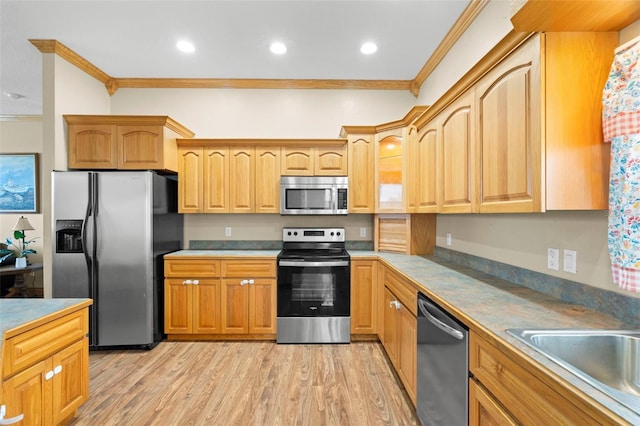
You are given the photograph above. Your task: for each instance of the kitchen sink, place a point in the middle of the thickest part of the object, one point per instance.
(608, 360)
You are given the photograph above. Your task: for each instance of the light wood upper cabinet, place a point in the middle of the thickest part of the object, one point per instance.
(391, 174)
(203, 184)
(242, 174)
(330, 160)
(323, 160)
(267, 179)
(425, 150)
(123, 142)
(216, 179)
(522, 131)
(361, 173)
(458, 160)
(539, 131)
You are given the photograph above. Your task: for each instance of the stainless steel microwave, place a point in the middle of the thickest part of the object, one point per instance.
(314, 195)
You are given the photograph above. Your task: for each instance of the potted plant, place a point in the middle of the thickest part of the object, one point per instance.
(22, 248)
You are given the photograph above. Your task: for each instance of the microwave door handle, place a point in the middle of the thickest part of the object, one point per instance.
(334, 199)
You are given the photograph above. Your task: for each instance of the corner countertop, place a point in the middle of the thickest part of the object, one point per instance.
(19, 315)
(487, 305)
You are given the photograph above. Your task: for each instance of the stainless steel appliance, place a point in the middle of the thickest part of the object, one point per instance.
(111, 230)
(314, 195)
(443, 367)
(314, 287)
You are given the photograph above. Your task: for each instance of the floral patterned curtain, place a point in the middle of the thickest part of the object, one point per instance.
(621, 127)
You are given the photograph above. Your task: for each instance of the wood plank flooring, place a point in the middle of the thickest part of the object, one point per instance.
(245, 383)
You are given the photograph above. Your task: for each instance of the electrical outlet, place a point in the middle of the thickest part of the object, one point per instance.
(448, 238)
(363, 231)
(227, 231)
(569, 261)
(553, 261)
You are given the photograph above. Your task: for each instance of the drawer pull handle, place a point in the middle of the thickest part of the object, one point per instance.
(196, 282)
(57, 370)
(48, 375)
(186, 282)
(395, 304)
(10, 420)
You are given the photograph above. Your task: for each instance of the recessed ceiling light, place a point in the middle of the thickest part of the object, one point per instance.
(368, 48)
(185, 46)
(278, 48)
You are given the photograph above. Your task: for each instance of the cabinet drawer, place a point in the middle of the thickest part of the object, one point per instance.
(248, 269)
(403, 291)
(528, 399)
(26, 349)
(191, 268)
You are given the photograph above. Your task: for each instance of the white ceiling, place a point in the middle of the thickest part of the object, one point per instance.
(136, 39)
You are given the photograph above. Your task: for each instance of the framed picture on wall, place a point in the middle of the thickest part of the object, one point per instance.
(18, 183)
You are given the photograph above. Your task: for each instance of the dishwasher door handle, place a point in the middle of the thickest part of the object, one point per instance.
(422, 304)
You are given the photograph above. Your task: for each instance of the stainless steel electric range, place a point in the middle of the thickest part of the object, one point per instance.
(314, 286)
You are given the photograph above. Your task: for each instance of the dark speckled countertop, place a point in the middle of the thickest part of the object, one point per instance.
(487, 305)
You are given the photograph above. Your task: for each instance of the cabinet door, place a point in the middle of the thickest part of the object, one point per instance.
(267, 180)
(242, 180)
(92, 146)
(330, 160)
(391, 318)
(262, 306)
(426, 150)
(484, 410)
(178, 300)
(509, 138)
(206, 306)
(361, 174)
(190, 181)
(216, 180)
(235, 306)
(24, 393)
(140, 147)
(363, 296)
(390, 194)
(407, 342)
(70, 380)
(297, 161)
(457, 132)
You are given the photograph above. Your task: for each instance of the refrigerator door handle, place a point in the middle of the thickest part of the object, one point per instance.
(93, 270)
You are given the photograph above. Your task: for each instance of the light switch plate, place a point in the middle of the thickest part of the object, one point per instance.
(570, 258)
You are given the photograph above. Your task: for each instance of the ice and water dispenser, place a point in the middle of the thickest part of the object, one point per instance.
(69, 236)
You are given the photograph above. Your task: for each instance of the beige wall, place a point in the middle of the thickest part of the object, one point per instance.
(24, 135)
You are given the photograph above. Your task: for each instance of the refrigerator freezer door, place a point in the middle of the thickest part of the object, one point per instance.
(70, 272)
(125, 258)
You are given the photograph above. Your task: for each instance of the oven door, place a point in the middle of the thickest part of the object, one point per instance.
(313, 288)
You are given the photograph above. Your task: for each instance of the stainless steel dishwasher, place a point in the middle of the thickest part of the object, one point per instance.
(443, 367)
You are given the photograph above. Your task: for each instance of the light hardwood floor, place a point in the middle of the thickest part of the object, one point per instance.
(245, 383)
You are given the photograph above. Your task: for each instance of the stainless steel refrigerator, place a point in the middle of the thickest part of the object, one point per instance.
(111, 230)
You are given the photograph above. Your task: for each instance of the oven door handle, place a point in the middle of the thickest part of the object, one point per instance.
(303, 264)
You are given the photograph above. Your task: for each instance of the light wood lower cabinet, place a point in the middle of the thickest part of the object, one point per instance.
(46, 371)
(219, 298)
(192, 296)
(249, 297)
(400, 329)
(513, 384)
(364, 297)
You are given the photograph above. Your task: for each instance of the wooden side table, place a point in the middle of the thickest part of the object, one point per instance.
(18, 289)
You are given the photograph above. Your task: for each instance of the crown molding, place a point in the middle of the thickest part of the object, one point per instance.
(113, 84)
(469, 14)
